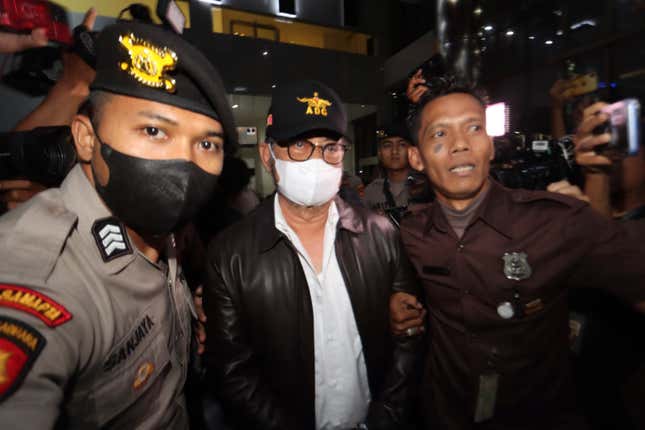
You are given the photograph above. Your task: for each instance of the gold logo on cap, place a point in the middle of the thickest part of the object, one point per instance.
(315, 105)
(148, 63)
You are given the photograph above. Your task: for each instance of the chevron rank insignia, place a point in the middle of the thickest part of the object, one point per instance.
(111, 238)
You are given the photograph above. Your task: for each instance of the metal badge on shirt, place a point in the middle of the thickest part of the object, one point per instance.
(111, 238)
(516, 266)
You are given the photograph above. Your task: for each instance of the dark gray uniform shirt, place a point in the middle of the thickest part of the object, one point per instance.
(87, 341)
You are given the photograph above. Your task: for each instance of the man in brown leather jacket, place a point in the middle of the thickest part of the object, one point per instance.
(297, 293)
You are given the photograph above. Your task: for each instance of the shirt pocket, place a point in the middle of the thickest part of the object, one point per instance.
(119, 389)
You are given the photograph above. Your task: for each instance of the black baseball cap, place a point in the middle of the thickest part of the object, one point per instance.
(148, 62)
(303, 107)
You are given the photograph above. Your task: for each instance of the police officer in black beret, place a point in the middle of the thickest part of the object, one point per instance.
(95, 314)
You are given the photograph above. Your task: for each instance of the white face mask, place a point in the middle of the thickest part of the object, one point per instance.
(307, 183)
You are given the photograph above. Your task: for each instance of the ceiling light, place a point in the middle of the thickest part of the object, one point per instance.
(509, 33)
(531, 37)
(235, 106)
(584, 22)
(548, 42)
(559, 32)
(273, 86)
(488, 28)
(558, 12)
(240, 89)
(265, 53)
(478, 11)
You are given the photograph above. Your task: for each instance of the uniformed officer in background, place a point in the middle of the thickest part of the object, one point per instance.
(95, 316)
(390, 194)
(496, 265)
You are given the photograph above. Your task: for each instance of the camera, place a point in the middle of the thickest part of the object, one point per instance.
(533, 162)
(44, 155)
(623, 126)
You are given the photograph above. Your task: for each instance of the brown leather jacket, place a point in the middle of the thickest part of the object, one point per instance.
(260, 346)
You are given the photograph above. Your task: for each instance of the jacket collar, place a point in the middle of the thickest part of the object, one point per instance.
(493, 211)
(268, 235)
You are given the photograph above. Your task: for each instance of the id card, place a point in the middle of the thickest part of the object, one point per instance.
(486, 397)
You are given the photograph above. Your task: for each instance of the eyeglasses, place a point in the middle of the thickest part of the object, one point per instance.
(302, 150)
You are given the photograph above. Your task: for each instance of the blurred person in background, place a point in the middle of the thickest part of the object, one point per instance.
(608, 333)
(352, 189)
(57, 108)
(390, 193)
(231, 201)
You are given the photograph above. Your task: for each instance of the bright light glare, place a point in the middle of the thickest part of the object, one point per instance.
(496, 119)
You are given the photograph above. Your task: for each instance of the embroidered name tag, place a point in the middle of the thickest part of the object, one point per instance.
(136, 337)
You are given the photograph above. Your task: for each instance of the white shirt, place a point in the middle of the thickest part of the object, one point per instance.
(342, 390)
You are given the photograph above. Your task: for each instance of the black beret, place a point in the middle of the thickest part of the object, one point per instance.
(149, 62)
(301, 107)
(396, 129)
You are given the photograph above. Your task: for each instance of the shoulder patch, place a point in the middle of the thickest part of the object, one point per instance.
(111, 238)
(35, 303)
(20, 346)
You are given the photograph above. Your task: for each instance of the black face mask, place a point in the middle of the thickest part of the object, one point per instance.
(153, 197)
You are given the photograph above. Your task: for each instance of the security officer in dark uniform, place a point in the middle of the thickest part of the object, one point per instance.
(95, 314)
(496, 265)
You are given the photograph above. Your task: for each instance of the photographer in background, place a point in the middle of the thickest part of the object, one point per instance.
(610, 332)
(57, 108)
(390, 194)
(616, 189)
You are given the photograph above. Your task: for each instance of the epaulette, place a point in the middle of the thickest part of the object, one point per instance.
(32, 236)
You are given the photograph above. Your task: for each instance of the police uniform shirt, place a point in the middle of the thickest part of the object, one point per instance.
(497, 304)
(87, 341)
(375, 196)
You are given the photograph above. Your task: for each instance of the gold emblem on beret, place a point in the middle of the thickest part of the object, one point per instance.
(148, 63)
(315, 105)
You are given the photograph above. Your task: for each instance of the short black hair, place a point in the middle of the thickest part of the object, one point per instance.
(440, 87)
(92, 107)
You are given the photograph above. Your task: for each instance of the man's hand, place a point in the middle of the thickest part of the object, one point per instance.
(415, 91)
(70, 91)
(407, 315)
(77, 74)
(558, 93)
(11, 42)
(15, 192)
(586, 142)
(200, 324)
(566, 188)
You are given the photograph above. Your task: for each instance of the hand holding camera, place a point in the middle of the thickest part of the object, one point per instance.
(607, 133)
